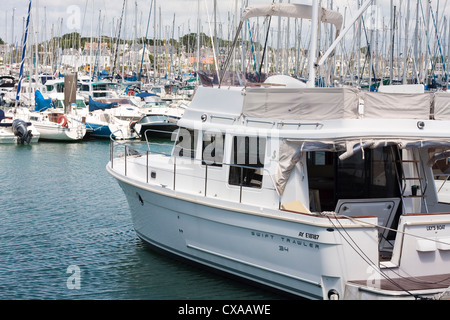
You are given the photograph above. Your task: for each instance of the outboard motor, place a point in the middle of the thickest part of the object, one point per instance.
(20, 130)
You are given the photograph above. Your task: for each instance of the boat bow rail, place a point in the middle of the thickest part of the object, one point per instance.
(173, 172)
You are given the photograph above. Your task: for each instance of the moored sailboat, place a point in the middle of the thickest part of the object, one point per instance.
(53, 124)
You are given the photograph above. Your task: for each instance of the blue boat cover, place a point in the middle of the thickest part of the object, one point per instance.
(146, 94)
(40, 103)
(95, 105)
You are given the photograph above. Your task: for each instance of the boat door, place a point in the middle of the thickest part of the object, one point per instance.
(213, 148)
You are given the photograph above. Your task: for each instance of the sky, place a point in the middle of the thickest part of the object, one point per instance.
(80, 15)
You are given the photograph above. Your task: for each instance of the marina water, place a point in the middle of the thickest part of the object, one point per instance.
(66, 233)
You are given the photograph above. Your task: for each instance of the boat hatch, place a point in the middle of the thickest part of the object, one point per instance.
(383, 208)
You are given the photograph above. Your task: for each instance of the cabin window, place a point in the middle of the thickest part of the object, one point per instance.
(441, 170)
(59, 104)
(247, 161)
(357, 177)
(213, 146)
(186, 143)
(80, 104)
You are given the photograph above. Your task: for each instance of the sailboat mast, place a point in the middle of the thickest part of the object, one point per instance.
(23, 55)
(313, 47)
(405, 51)
(117, 40)
(198, 38)
(145, 40)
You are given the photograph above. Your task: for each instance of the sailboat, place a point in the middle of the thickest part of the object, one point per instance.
(52, 123)
(13, 128)
(301, 189)
(106, 119)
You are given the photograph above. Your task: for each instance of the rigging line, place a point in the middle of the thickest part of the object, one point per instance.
(145, 40)
(386, 276)
(394, 230)
(409, 278)
(212, 42)
(369, 48)
(439, 296)
(265, 45)
(117, 42)
(366, 258)
(253, 50)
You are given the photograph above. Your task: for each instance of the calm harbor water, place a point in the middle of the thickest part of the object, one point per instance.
(66, 233)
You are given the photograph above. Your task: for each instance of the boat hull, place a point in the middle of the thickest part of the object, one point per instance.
(58, 133)
(303, 255)
(12, 139)
(241, 240)
(101, 131)
(188, 230)
(8, 137)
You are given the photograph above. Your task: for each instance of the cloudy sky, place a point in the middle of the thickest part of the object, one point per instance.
(79, 15)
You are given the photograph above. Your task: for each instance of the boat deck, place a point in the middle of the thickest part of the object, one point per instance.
(439, 281)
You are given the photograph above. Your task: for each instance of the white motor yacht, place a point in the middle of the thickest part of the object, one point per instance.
(324, 193)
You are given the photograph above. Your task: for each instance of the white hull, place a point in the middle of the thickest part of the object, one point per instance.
(201, 233)
(54, 131)
(6, 138)
(300, 254)
(7, 135)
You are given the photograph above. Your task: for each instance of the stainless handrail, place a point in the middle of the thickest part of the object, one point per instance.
(201, 161)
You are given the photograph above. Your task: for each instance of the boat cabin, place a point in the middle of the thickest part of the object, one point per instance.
(340, 157)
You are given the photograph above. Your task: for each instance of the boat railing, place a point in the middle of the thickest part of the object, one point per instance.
(441, 179)
(130, 150)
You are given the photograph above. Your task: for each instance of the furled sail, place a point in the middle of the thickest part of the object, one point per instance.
(95, 105)
(40, 103)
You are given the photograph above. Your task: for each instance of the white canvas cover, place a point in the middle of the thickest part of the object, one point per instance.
(301, 103)
(397, 105)
(293, 11)
(290, 155)
(442, 106)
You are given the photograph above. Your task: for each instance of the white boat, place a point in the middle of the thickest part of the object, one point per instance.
(57, 126)
(111, 118)
(26, 95)
(325, 193)
(53, 123)
(16, 130)
(159, 118)
(98, 90)
(142, 98)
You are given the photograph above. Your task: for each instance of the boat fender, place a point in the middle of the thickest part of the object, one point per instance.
(333, 295)
(62, 120)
